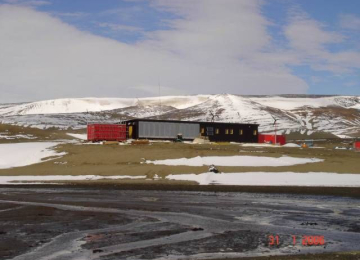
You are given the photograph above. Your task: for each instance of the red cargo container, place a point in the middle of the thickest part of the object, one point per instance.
(357, 145)
(280, 139)
(106, 132)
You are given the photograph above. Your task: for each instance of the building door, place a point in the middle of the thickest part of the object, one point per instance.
(130, 131)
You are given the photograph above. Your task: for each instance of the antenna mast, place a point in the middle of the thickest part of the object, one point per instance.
(159, 99)
(275, 119)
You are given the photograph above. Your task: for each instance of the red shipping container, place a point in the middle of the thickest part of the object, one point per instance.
(357, 145)
(106, 132)
(280, 139)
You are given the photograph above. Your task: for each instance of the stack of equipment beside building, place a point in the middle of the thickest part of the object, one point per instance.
(270, 139)
(106, 132)
(357, 145)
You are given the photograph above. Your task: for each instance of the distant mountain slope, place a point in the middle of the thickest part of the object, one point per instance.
(290, 103)
(80, 105)
(339, 115)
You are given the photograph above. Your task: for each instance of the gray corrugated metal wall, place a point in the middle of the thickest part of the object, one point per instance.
(168, 130)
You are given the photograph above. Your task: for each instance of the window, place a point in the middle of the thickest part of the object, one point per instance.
(217, 131)
(202, 131)
(226, 131)
(241, 132)
(231, 131)
(254, 132)
(210, 130)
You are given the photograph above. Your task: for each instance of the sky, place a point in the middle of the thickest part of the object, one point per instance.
(128, 48)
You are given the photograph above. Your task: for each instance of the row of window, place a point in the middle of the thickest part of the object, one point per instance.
(227, 131)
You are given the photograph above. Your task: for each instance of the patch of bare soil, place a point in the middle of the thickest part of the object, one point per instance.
(17, 134)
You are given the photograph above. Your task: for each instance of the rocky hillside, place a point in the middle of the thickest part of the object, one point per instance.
(338, 115)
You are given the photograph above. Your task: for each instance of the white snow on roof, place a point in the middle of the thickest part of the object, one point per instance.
(273, 179)
(236, 161)
(22, 154)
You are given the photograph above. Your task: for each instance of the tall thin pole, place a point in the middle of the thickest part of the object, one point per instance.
(159, 99)
(275, 133)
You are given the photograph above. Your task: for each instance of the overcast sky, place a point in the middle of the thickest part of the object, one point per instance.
(112, 48)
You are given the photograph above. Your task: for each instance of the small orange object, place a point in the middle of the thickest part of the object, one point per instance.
(140, 142)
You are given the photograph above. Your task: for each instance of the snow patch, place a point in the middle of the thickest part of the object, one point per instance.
(273, 179)
(18, 136)
(22, 154)
(47, 178)
(78, 136)
(291, 145)
(254, 161)
(259, 145)
(343, 136)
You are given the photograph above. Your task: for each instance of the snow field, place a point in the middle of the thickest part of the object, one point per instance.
(255, 161)
(78, 136)
(22, 154)
(316, 179)
(49, 178)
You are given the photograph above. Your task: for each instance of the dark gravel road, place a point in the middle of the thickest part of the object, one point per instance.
(67, 222)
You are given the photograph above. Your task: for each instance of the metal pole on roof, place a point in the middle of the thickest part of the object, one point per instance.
(275, 134)
(275, 129)
(159, 99)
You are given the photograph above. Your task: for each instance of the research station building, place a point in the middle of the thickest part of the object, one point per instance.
(169, 129)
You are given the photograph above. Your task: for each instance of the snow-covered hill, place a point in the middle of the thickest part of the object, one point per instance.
(80, 105)
(338, 115)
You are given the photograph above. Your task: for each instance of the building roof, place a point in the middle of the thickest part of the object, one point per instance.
(190, 122)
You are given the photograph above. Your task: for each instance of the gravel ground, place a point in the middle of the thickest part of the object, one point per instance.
(66, 222)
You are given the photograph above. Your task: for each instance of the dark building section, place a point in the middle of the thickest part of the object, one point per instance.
(169, 129)
(230, 132)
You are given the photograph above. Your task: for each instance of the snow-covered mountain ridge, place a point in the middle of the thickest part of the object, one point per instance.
(78, 105)
(339, 115)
